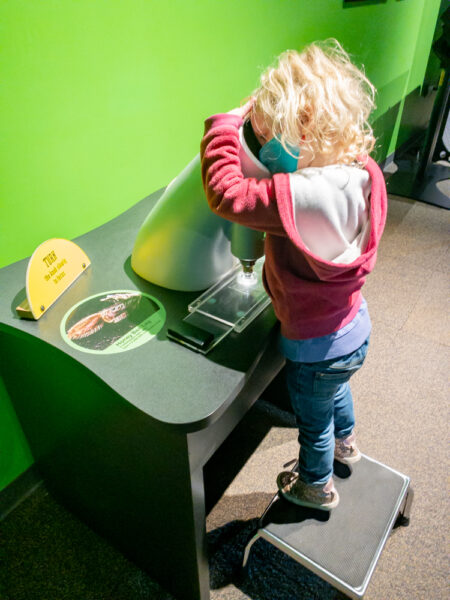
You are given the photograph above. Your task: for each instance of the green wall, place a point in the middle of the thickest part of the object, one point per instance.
(103, 102)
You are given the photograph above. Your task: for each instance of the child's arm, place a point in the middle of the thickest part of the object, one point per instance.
(230, 195)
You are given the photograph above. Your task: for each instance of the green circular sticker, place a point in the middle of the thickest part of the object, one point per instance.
(114, 321)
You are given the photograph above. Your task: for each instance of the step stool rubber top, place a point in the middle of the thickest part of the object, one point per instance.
(341, 546)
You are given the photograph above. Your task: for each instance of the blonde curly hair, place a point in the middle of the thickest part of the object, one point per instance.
(319, 100)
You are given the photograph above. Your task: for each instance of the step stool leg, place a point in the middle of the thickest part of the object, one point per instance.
(248, 548)
(408, 504)
(404, 516)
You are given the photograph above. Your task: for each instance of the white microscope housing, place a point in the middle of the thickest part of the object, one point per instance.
(182, 245)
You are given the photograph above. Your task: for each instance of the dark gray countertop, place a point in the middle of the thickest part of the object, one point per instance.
(170, 383)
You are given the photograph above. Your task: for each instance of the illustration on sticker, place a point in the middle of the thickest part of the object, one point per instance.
(113, 321)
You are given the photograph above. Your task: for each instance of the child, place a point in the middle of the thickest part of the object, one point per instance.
(323, 211)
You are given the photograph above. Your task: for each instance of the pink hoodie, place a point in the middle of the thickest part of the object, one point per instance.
(312, 297)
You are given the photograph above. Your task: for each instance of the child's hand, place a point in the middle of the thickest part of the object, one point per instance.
(243, 110)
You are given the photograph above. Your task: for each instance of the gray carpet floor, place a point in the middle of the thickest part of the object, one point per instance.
(401, 403)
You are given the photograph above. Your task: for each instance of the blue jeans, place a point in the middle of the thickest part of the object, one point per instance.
(323, 405)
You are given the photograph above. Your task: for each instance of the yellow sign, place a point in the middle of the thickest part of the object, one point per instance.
(52, 268)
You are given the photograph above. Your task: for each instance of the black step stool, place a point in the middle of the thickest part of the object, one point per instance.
(341, 546)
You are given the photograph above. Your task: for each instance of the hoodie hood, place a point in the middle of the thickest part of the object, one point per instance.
(329, 270)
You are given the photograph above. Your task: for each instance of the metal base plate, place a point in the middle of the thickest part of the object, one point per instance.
(341, 546)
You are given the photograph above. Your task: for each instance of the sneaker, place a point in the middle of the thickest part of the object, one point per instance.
(346, 451)
(321, 496)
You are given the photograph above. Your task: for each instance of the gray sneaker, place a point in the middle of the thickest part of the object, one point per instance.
(321, 496)
(346, 451)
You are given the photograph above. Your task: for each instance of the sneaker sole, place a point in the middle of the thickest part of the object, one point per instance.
(325, 507)
(348, 461)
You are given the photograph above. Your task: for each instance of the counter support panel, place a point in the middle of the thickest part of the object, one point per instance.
(122, 439)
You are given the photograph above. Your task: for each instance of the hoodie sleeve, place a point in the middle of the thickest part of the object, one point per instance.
(231, 195)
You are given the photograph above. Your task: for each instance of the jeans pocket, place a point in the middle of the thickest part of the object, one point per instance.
(327, 384)
(352, 361)
(328, 379)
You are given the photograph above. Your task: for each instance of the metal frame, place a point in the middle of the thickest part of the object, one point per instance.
(402, 508)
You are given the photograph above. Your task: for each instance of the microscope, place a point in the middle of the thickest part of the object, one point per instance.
(182, 245)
